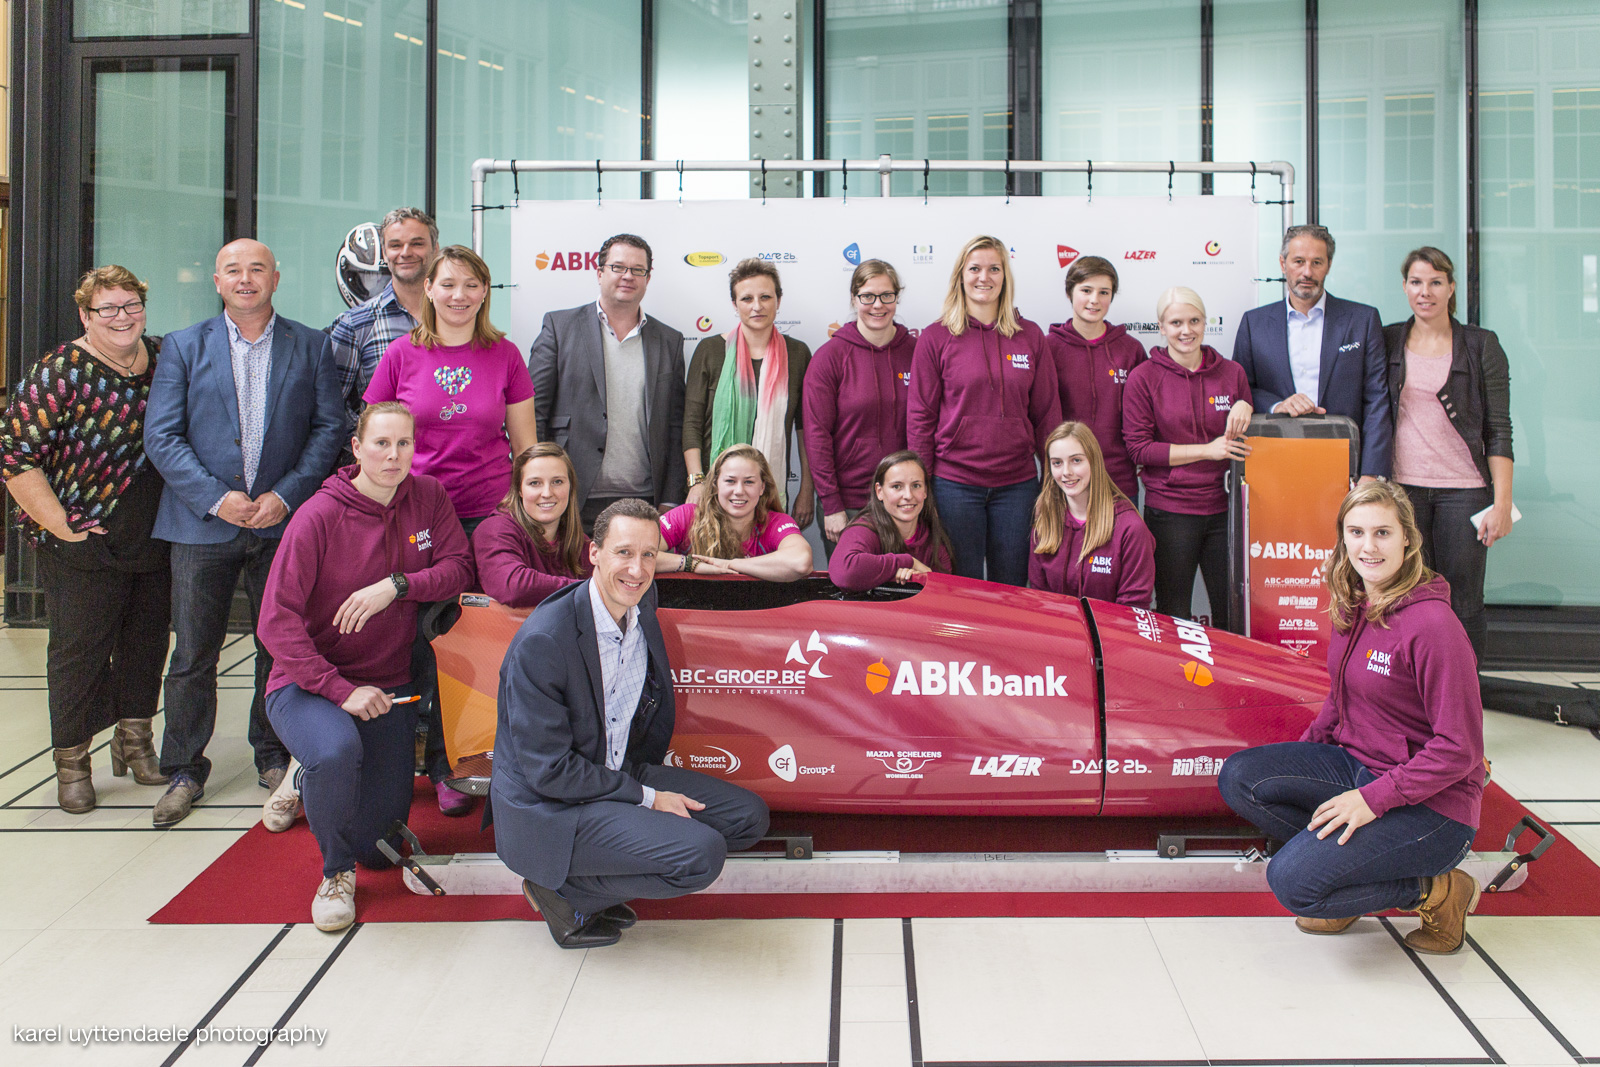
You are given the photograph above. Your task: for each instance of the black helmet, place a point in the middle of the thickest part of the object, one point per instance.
(359, 268)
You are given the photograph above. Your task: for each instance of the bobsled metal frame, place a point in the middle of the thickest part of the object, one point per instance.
(885, 166)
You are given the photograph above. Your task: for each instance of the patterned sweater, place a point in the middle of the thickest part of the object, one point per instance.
(81, 423)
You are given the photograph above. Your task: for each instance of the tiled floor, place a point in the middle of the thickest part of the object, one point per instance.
(76, 952)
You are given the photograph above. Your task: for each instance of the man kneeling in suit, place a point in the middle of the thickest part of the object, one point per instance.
(582, 806)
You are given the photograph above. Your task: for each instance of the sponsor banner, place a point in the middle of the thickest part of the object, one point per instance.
(1205, 242)
(1296, 487)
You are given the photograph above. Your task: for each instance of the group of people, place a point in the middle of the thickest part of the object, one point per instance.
(409, 453)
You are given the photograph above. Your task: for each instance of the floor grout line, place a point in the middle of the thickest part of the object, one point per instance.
(1527, 1001)
(1173, 982)
(1438, 987)
(305, 992)
(238, 984)
(555, 1028)
(836, 994)
(913, 1016)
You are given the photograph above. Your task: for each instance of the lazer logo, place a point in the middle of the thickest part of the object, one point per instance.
(1379, 662)
(931, 678)
(1007, 766)
(1139, 254)
(567, 261)
(1287, 550)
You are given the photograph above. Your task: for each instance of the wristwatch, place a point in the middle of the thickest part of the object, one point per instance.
(696, 479)
(401, 585)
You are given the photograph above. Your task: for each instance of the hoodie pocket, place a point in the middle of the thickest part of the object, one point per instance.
(991, 443)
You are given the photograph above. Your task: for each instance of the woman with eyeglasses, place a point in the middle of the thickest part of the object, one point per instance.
(854, 412)
(744, 388)
(72, 453)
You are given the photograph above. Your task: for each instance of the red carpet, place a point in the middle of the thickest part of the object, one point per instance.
(269, 878)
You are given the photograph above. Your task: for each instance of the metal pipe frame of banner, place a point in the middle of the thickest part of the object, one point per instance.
(884, 166)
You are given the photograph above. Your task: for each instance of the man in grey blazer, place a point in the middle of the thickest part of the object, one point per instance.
(1316, 354)
(243, 423)
(582, 806)
(608, 387)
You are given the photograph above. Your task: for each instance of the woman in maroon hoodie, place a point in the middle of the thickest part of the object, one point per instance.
(898, 535)
(983, 399)
(533, 544)
(339, 615)
(854, 412)
(1088, 539)
(1093, 361)
(1395, 758)
(1184, 414)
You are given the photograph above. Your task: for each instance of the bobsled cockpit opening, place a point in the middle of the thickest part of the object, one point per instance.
(745, 594)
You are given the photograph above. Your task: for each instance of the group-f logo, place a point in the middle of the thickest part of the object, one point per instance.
(852, 254)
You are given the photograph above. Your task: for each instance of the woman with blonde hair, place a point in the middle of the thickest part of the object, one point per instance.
(855, 397)
(983, 400)
(1184, 414)
(1088, 539)
(739, 528)
(534, 543)
(472, 396)
(1379, 800)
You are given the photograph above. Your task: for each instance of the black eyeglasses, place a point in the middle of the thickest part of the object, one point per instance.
(878, 298)
(109, 311)
(637, 272)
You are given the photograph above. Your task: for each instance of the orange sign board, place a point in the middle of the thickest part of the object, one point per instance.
(1294, 488)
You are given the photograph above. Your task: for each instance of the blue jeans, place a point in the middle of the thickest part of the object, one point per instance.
(988, 526)
(1278, 787)
(203, 580)
(1450, 546)
(358, 772)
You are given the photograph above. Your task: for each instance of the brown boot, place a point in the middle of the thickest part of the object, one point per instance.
(133, 749)
(1449, 900)
(1325, 926)
(74, 788)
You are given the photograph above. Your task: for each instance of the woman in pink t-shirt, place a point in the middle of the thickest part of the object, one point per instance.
(740, 528)
(467, 384)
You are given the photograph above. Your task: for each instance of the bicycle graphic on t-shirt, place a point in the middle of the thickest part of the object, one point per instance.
(453, 380)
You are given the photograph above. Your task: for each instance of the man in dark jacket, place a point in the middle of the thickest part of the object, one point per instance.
(1316, 354)
(608, 388)
(586, 714)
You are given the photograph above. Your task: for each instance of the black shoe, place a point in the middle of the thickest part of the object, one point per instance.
(568, 928)
(620, 915)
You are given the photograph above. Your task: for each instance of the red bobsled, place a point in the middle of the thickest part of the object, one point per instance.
(952, 697)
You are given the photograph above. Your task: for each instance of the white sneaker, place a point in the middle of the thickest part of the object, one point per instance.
(283, 807)
(334, 906)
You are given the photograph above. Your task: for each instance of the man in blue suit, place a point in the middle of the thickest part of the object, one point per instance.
(243, 423)
(582, 807)
(1317, 354)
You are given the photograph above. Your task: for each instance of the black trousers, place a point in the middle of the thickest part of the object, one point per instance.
(1184, 542)
(108, 642)
(1450, 546)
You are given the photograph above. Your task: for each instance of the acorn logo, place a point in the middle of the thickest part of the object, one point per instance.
(878, 677)
(1198, 673)
(542, 260)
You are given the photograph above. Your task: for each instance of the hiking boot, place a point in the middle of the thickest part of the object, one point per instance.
(1325, 926)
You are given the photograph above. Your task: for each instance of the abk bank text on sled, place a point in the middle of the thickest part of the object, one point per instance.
(948, 696)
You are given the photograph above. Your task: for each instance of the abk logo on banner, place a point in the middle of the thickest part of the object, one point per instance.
(567, 261)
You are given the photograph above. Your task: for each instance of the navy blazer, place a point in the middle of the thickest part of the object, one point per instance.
(191, 430)
(550, 738)
(1353, 378)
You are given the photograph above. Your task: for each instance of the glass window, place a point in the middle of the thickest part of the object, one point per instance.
(1121, 83)
(341, 128)
(533, 81)
(1391, 98)
(702, 98)
(1259, 73)
(159, 180)
(164, 18)
(1539, 78)
(918, 79)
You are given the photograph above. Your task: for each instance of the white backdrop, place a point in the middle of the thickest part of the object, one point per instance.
(1205, 242)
